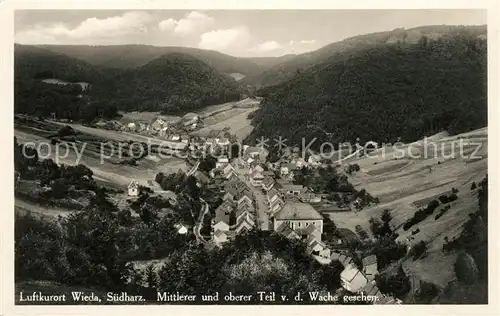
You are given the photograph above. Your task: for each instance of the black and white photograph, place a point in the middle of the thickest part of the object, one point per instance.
(250, 157)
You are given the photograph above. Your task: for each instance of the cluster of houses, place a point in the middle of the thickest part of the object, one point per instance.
(163, 126)
(236, 215)
(295, 218)
(362, 281)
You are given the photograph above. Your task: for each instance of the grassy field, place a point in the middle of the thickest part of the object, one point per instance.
(235, 119)
(106, 169)
(404, 185)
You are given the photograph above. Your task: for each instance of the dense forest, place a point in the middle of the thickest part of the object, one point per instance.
(382, 93)
(173, 83)
(132, 56)
(281, 69)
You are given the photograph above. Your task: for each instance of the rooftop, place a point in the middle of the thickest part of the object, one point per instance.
(349, 273)
(369, 260)
(222, 212)
(219, 233)
(298, 211)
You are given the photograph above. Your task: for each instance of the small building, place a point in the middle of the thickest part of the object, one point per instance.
(222, 215)
(267, 183)
(345, 260)
(157, 124)
(131, 126)
(133, 188)
(287, 232)
(221, 162)
(292, 189)
(220, 237)
(244, 226)
(256, 178)
(181, 229)
(352, 279)
(245, 198)
(370, 267)
(229, 171)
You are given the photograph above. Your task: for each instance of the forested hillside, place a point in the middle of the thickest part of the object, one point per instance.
(286, 67)
(131, 56)
(382, 93)
(173, 83)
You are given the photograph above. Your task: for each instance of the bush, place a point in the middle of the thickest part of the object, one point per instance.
(443, 199)
(397, 285)
(421, 214)
(426, 293)
(454, 190)
(473, 186)
(418, 250)
(66, 131)
(441, 213)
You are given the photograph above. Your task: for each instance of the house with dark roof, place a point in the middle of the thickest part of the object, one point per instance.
(256, 178)
(133, 188)
(298, 215)
(245, 213)
(314, 245)
(312, 231)
(345, 260)
(222, 215)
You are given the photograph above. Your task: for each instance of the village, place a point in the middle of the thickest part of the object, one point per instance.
(258, 194)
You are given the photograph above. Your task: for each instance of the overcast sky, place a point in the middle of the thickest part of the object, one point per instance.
(239, 33)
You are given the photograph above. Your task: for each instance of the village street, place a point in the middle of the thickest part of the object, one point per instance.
(260, 199)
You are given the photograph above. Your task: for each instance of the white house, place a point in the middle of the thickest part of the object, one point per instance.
(352, 279)
(181, 229)
(220, 237)
(131, 126)
(133, 188)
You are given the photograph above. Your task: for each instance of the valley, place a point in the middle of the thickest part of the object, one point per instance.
(177, 169)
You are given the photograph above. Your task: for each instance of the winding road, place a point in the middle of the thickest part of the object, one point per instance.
(199, 223)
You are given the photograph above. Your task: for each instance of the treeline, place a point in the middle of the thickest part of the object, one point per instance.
(382, 93)
(90, 248)
(172, 84)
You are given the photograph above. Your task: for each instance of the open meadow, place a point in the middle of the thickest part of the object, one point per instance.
(406, 184)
